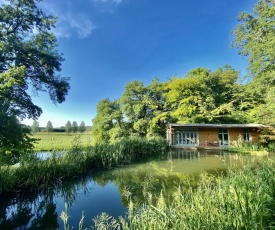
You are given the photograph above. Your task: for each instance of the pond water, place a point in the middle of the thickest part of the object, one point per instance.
(109, 190)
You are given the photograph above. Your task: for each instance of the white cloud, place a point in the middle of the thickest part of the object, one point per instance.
(69, 23)
(109, 1)
(106, 5)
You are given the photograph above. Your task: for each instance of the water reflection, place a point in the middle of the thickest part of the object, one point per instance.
(110, 190)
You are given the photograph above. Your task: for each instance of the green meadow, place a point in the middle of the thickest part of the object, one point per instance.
(60, 141)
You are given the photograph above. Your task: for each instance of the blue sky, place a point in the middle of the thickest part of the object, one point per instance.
(108, 43)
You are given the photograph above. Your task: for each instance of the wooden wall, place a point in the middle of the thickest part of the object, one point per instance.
(207, 135)
(211, 134)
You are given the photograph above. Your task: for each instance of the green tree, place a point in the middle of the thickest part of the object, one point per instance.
(14, 138)
(82, 127)
(158, 112)
(68, 127)
(28, 58)
(188, 98)
(108, 123)
(135, 107)
(35, 126)
(203, 96)
(74, 127)
(255, 38)
(49, 127)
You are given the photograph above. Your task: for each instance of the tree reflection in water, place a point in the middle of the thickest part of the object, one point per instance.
(37, 211)
(138, 182)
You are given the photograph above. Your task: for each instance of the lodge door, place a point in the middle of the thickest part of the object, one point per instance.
(223, 137)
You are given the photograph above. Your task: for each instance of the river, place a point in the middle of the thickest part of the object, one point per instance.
(109, 191)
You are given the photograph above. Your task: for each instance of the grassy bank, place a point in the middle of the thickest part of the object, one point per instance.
(60, 141)
(33, 173)
(244, 199)
(248, 147)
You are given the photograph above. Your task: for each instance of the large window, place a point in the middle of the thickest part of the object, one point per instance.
(246, 135)
(223, 137)
(186, 137)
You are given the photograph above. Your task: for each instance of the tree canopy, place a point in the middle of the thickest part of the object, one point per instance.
(255, 38)
(49, 127)
(82, 127)
(200, 96)
(28, 59)
(68, 127)
(35, 126)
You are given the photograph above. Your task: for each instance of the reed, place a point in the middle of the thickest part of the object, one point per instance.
(243, 199)
(247, 147)
(34, 173)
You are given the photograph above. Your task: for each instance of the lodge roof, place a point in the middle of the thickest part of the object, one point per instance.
(218, 125)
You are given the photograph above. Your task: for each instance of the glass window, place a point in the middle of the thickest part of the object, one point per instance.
(186, 137)
(223, 137)
(246, 135)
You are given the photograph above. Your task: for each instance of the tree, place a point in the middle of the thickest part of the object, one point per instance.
(135, 107)
(49, 127)
(28, 58)
(74, 127)
(68, 127)
(255, 38)
(108, 123)
(14, 138)
(35, 126)
(82, 127)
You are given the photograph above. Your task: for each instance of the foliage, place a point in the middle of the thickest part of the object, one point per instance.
(267, 138)
(35, 126)
(202, 96)
(34, 173)
(15, 139)
(74, 127)
(255, 38)
(242, 199)
(109, 118)
(49, 127)
(68, 127)
(28, 57)
(82, 127)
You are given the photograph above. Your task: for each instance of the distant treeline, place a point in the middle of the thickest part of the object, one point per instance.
(69, 127)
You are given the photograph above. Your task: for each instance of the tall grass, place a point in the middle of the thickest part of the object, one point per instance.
(248, 147)
(33, 173)
(244, 199)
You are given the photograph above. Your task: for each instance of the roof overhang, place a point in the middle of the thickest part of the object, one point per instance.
(217, 126)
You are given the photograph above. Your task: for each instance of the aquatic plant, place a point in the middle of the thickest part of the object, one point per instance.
(34, 173)
(243, 199)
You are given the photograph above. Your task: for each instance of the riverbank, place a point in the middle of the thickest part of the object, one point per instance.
(243, 199)
(33, 173)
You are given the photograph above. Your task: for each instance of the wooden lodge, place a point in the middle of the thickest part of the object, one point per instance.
(211, 135)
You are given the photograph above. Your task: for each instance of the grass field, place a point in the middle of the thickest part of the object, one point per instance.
(60, 141)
